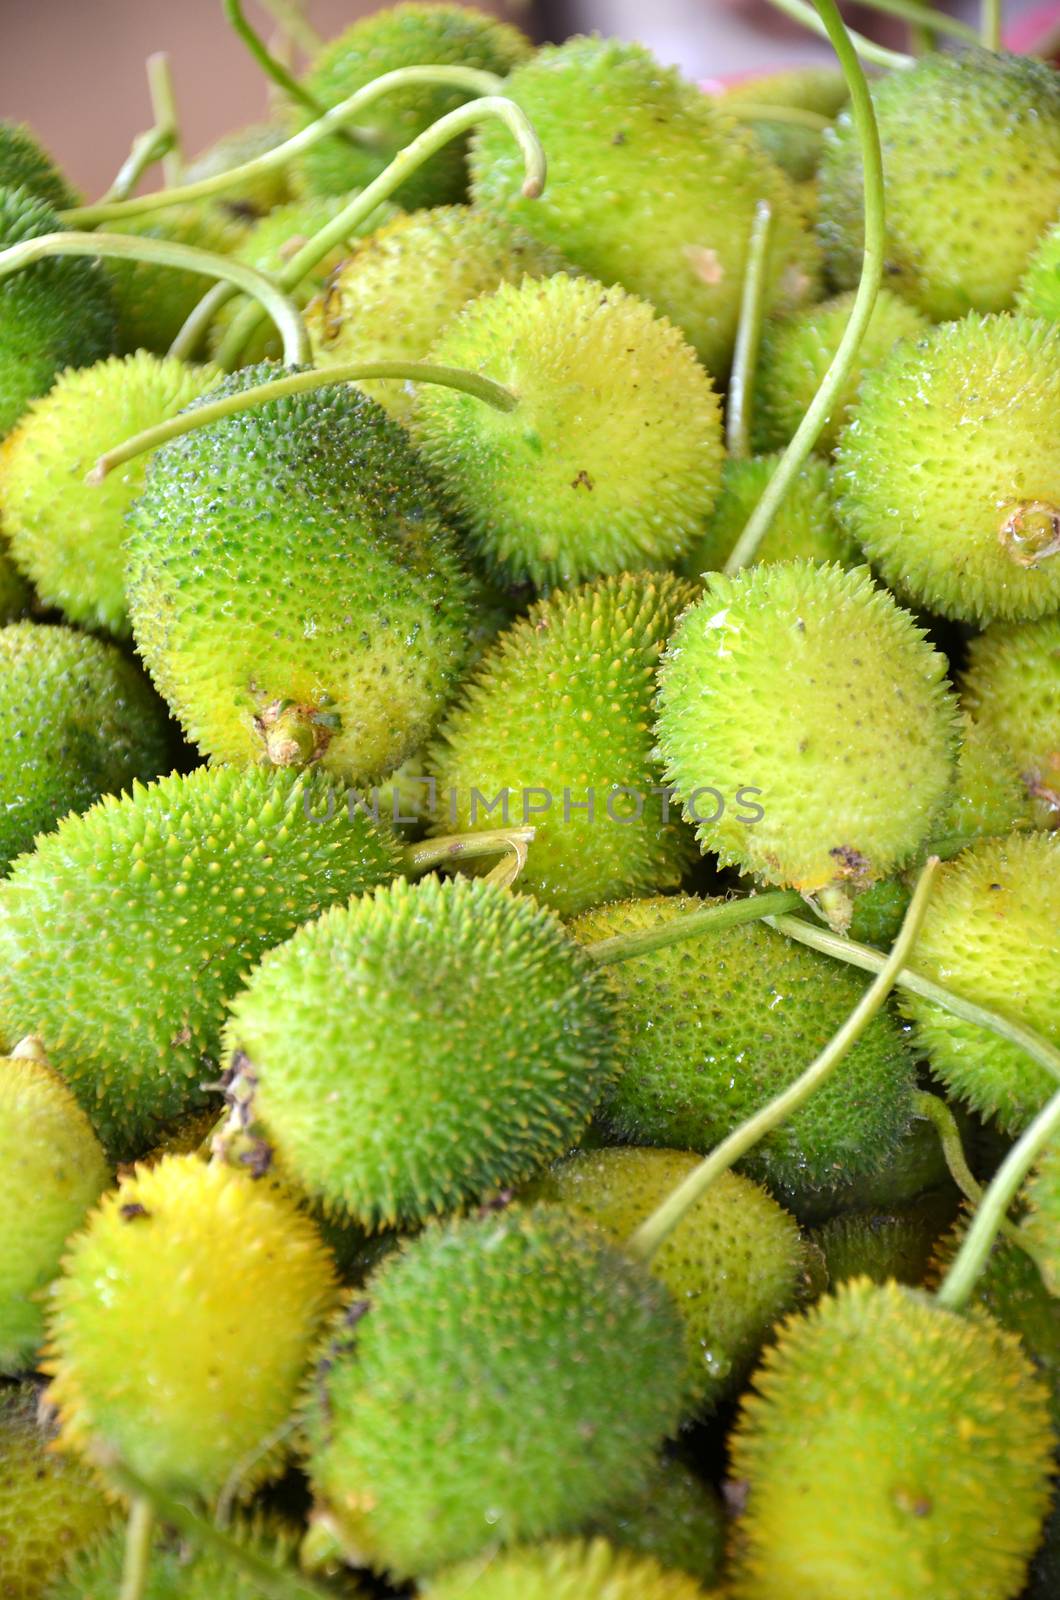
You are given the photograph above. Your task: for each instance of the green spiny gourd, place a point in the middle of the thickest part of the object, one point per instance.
(820, 90)
(56, 313)
(651, 185)
(915, 1168)
(270, 243)
(294, 588)
(677, 1519)
(82, 721)
(51, 1506)
(971, 161)
(805, 524)
(992, 934)
(896, 1244)
(472, 1399)
(711, 1028)
(191, 1363)
(566, 1570)
(557, 717)
(404, 36)
(153, 301)
(64, 533)
(126, 930)
(611, 459)
(486, 1073)
(989, 797)
(25, 165)
(401, 288)
(255, 196)
(1039, 294)
(797, 351)
(733, 1265)
(52, 1171)
(949, 479)
(810, 688)
(1042, 1194)
(847, 1495)
(1012, 689)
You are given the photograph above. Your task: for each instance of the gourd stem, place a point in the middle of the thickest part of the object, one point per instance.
(138, 1534)
(449, 849)
(164, 106)
(274, 68)
(877, 54)
(926, 18)
(705, 919)
(748, 336)
(935, 1110)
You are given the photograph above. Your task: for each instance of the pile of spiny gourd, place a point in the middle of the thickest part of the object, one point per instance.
(457, 1136)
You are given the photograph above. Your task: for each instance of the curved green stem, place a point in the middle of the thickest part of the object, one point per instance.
(451, 848)
(707, 919)
(168, 253)
(274, 69)
(652, 1232)
(802, 12)
(925, 17)
(990, 25)
(164, 106)
(748, 336)
(960, 1281)
(231, 405)
(468, 78)
(407, 161)
(138, 1534)
(147, 148)
(869, 960)
(793, 116)
(839, 369)
(933, 1109)
(193, 329)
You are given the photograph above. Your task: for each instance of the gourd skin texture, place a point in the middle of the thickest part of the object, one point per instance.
(812, 687)
(971, 163)
(797, 150)
(25, 165)
(50, 1505)
(1012, 689)
(152, 907)
(575, 1570)
(891, 1449)
(404, 36)
(53, 1171)
(895, 1244)
(1039, 294)
(733, 1265)
(475, 1402)
(56, 313)
(612, 458)
(711, 1028)
(390, 1098)
(1042, 1193)
(65, 534)
(948, 476)
(677, 1519)
(797, 351)
(651, 185)
(559, 706)
(81, 722)
(989, 797)
(327, 579)
(183, 1327)
(153, 301)
(992, 934)
(398, 291)
(805, 524)
(178, 1571)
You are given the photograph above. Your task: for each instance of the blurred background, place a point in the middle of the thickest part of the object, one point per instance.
(75, 68)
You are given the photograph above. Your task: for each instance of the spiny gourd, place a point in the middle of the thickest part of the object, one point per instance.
(567, 1570)
(51, 1506)
(126, 930)
(713, 1027)
(153, 301)
(390, 1099)
(56, 313)
(81, 721)
(733, 1265)
(949, 477)
(403, 36)
(611, 459)
(401, 287)
(915, 1167)
(1039, 294)
(812, 689)
(797, 351)
(294, 588)
(651, 185)
(1042, 1195)
(24, 164)
(821, 91)
(255, 196)
(557, 717)
(65, 534)
(677, 1519)
(270, 243)
(189, 1365)
(509, 1376)
(991, 934)
(890, 1448)
(1011, 686)
(805, 524)
(896, 1244)
(989, 797)
(52, 1171)
(971, 163)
